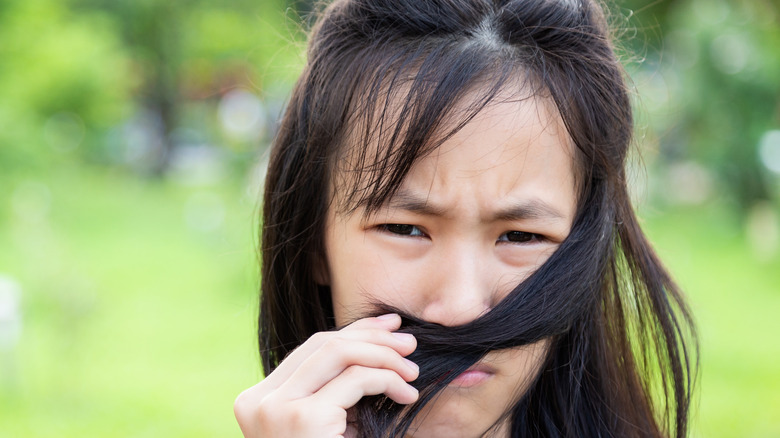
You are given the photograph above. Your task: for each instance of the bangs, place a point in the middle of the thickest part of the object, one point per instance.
(411, 103)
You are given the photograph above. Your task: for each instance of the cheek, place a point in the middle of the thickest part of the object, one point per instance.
(525, 257)
(514, 265)
(523, 363)
(517, 369)
(364, 272)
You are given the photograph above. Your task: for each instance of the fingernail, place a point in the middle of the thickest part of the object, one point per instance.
(388, 316)
(404, 337)
(412, 365)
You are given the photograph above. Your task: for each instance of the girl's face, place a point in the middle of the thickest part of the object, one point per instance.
(469, 223)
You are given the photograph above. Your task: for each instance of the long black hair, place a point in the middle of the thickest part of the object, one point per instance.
(622, 355)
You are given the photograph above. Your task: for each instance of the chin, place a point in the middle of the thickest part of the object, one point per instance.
(455, 413)
(456, 431)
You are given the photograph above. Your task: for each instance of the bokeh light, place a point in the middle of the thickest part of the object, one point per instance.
(769, 150)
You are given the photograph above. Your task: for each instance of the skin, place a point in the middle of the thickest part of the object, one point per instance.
(470, 222)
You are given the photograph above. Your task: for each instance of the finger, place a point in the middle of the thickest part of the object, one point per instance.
(376, 325)
(357, 382)
(390, 321)
(370, 330)
(274, 417)
(337, 355)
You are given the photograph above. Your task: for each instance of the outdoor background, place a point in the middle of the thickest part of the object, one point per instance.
(132, 140)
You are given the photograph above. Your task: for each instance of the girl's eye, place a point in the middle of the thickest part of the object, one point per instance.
(402, 229)
(518, 237)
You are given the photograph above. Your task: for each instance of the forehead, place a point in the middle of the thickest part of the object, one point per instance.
(392, 135)
(512, 153)
(513, 136)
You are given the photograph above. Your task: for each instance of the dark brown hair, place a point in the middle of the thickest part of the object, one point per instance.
(621, 361)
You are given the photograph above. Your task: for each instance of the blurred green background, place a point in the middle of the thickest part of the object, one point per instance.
(132, 140)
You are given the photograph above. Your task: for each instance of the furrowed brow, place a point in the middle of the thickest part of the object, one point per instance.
(532, 209)
(408, 201)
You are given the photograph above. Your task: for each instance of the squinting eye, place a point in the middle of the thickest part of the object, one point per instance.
(403, 229)
(518, 237)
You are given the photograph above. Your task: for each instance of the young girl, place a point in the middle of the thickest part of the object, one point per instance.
(448, 246)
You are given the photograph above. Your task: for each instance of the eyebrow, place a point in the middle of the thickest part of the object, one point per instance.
(525, 210)
(406, 200)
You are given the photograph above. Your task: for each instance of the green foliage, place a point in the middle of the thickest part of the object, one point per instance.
(710, 71)
(96, 64)
(53, 63)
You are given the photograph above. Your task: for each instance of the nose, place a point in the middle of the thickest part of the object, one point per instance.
(460, 287)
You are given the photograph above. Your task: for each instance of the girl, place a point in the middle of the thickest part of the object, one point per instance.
(448, 246)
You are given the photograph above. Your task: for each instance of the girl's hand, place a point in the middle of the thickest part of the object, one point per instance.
(310, 391)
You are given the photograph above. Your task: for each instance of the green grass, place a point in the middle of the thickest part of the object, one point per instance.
(736, 302)
(134, 323)
(137, 324)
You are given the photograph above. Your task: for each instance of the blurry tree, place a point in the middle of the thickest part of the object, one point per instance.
(60, 73)
(718, 62)
(728, 88)
(150, 31)
(193, 50)
(75, 73)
